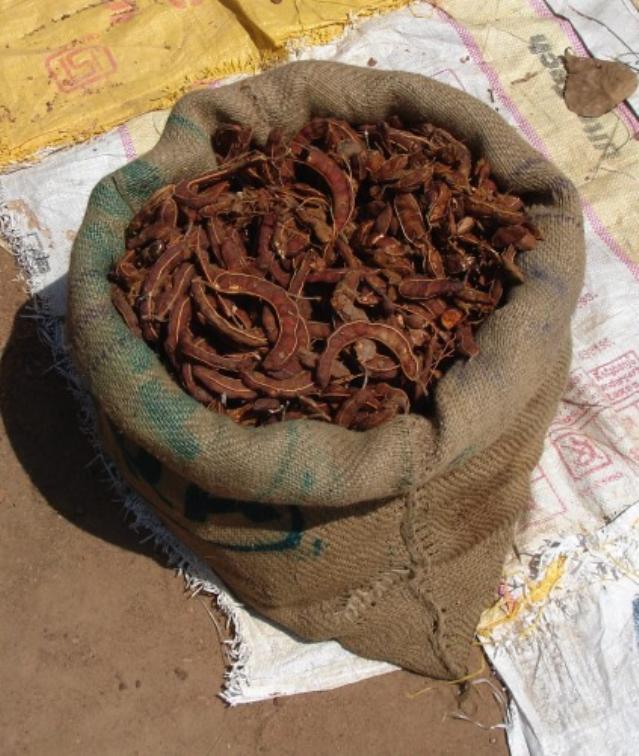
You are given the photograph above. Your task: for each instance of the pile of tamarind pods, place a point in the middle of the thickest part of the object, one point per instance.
(331, 276)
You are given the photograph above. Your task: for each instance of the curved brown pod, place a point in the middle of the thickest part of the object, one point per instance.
(165, 264)
(221, 384)
(253, 338)
(186, 192)
(410, 217)
(395, 396)
(337, 180)
(348, 411)
(265, 256)
(199, 351)
(427, 288)
(344, 296)
(295, 385)
(486, 208)
(269, 324)
(199, 393)
(180, 285)
(392, 338)
(178, 320)
(283, 306)
(122, 305)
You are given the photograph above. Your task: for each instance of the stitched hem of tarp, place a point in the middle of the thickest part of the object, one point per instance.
(197, 576)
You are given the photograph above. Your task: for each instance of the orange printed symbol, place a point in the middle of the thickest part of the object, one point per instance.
(76, 67)
(121, 10)
(184, 4)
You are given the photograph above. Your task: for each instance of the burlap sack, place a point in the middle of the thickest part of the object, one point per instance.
(390, 541)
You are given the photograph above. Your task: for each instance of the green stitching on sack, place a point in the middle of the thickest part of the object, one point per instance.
(178, 121)
(168, 412)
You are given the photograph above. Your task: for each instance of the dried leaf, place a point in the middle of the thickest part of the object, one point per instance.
(594, 87)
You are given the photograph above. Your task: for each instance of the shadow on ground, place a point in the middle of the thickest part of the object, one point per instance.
(42, 424)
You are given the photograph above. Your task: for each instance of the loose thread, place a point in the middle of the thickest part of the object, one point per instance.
(458, 681)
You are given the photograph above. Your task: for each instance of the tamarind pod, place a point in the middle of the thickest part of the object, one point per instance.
(146, 213)
(388, 245)
(399, 264)
(346, 253)
(392, 338)
(298, 279)
(264, 252)
(474, 296)
(235, 314)
(518, 235)
(319, 330)
(199, 351)
(180, 285)
(509, 265)
(412, 179)
(267, 404)
(381, 367)
(179, 318)
(293, 386)
(121, 304)
(317, 409)
(419, 287)
(347, 413)
(155, 232)
(488, 208)
(337, 180)
(383, 219)
(283, 306)
(269, 324)
(410, 218)
(344, 295)
(224, 385)
(328, 275)
(155, 277)
(252, 338)
(189, 192)
(451, 318)
(199, 393)
(233, 251)
(465, 340)
(390, 168)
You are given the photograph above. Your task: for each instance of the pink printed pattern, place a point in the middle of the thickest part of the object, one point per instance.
(618, 379)
(546, 504)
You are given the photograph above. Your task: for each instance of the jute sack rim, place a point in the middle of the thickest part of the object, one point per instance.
(135, 390)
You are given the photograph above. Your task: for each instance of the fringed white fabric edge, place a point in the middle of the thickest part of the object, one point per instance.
(197, 576)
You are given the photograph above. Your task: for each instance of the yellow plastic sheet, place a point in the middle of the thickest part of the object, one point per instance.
(75, 68)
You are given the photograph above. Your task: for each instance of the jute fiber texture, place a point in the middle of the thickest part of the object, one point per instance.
(390, 541)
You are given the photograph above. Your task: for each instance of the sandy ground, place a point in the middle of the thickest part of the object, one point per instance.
(102, 651)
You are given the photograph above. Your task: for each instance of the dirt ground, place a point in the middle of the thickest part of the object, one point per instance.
(102, 651)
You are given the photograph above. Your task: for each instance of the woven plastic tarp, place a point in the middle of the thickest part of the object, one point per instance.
(75, 68)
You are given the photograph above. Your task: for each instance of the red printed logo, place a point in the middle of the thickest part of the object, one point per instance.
(184, 4)
(77, 67)
(619, 378)
(580, 455)
(121, 10)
